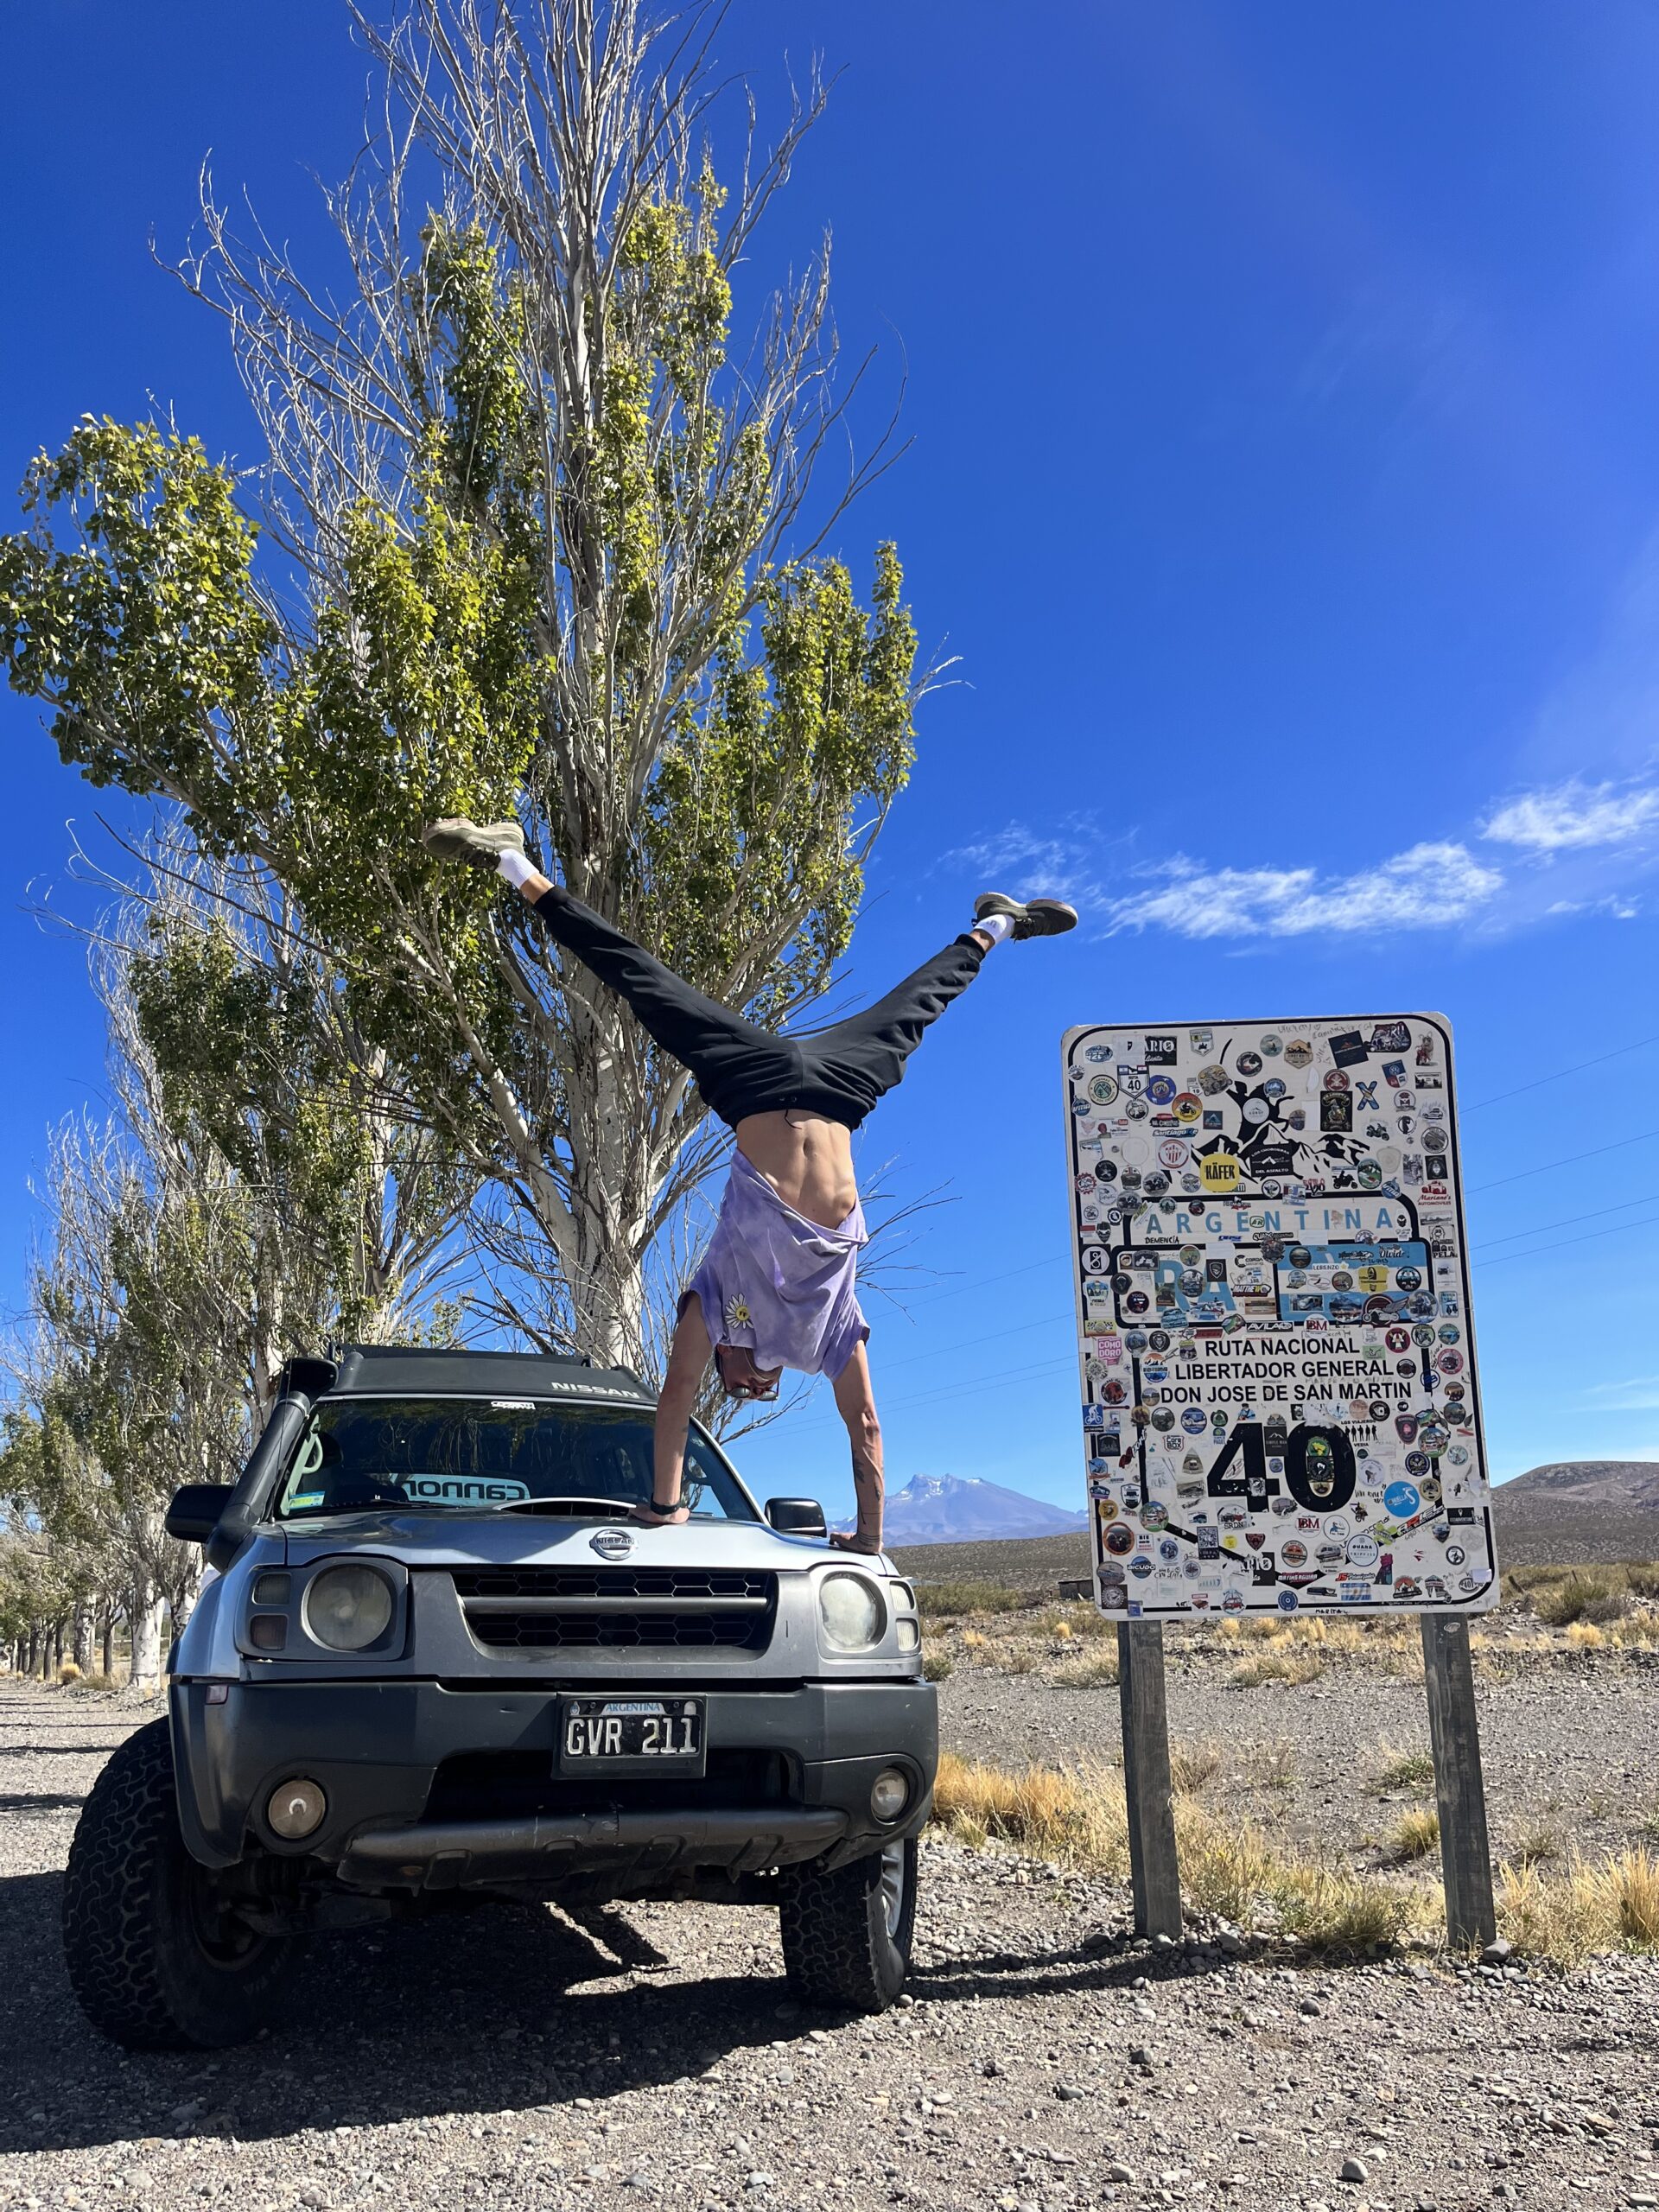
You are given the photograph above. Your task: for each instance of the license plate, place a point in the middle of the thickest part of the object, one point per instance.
(615, 1734)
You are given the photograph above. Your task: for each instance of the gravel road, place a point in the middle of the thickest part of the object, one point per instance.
(513, 2058)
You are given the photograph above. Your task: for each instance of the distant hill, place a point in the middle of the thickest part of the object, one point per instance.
(1578, 1511)
(1597, 1482)
(965, 1509)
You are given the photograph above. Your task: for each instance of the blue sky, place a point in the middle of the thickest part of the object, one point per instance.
(1284, 473)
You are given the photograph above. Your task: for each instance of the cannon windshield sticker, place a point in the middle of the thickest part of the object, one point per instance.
(1279, 1407)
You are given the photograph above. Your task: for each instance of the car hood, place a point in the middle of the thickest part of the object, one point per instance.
(451, 1539)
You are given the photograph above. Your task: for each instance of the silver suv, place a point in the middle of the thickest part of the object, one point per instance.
(436, 1661)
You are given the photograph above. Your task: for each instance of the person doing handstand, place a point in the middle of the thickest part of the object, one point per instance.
(776, 1286)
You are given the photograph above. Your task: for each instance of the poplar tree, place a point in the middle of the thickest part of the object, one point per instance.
(526, 537)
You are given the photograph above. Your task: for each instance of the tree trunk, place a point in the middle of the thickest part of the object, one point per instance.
(82, 1650)
(33, 1645)
(146, 1616)
(109, 1640)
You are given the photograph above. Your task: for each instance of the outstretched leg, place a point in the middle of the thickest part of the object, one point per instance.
(730, 1057)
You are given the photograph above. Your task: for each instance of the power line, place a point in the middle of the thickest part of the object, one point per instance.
(1569, 1161)
(1601, 1061)
(1618, 1228)
(1543, 1228)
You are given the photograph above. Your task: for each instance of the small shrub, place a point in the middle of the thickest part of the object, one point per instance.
(937, 1667)
(1532, 1846)
(1093, 1670)
(944, 1601)
(1404, 1770)
(1591, 1594)
(69, 1674)
(1289, 1667)
(1415, 1833)
(1193, 1767)
(1642, 1579)
(1584, 1636)
(973, 1641)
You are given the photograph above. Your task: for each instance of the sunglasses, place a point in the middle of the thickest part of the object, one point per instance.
(752, 1387)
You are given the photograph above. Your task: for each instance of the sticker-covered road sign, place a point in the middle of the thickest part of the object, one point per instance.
(1279, 1408)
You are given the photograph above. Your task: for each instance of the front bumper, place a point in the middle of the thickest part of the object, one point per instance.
(377, 1749)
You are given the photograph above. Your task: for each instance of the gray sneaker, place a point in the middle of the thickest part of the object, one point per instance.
(1035, 918)
(455, 838)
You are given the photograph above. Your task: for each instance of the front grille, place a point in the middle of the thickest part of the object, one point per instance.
(612, 1608)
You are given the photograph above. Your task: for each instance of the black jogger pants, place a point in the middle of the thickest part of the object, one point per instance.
(741, 1068)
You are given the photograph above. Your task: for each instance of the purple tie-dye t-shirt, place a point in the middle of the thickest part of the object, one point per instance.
(782, 1285)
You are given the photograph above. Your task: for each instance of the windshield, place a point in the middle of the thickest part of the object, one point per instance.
(472, 1454)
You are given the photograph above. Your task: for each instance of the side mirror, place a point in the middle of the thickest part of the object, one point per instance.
(194, 1514)
(796, 1517)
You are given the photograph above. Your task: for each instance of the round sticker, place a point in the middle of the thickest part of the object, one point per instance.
(1120, 1539)
(1256, 1110)
(1185, 1106)
(1248, 1063)
(1362, 1550)
(1293, 1553)
(1102, 1088)
(1193, 1420)
(1402, 1500)
(1160, 1090)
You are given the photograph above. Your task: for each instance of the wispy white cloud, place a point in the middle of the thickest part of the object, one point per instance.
(1430, 886)
(1639, 1393)
(1574, 816)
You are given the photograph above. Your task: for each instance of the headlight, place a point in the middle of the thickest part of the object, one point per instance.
(348, 1607)
(852, 1612)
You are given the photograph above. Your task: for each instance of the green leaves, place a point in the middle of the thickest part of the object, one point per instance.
(145, 635)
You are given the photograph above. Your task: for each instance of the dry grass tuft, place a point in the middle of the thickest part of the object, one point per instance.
(1226, 1867)
(937, 1667)
(1592, 1906)
(1270, 1666)
(1050, 1814)
(1415, 1834)
(68, 1673)
(1584, 1636)
(1089, 1671)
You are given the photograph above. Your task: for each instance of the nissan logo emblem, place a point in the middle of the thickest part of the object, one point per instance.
(612, 1543)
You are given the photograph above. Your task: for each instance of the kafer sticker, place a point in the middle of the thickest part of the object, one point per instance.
(1291, 1417)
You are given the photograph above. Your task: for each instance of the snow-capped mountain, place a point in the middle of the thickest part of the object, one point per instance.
(958, 1509)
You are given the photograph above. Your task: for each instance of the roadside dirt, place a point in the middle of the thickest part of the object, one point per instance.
(517, 2059)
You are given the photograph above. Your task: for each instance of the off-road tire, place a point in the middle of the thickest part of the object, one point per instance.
(137, 1910)
(838, 1949)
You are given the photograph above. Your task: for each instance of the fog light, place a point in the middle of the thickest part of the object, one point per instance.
(270, 1590)
(297, 1808)
(910, 1636)
(889, 1794)
(268, 1632)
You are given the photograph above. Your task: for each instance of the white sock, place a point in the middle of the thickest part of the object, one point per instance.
(995, 926)
(517, 867)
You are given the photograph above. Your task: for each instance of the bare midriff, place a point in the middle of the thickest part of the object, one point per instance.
(807, 1160)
